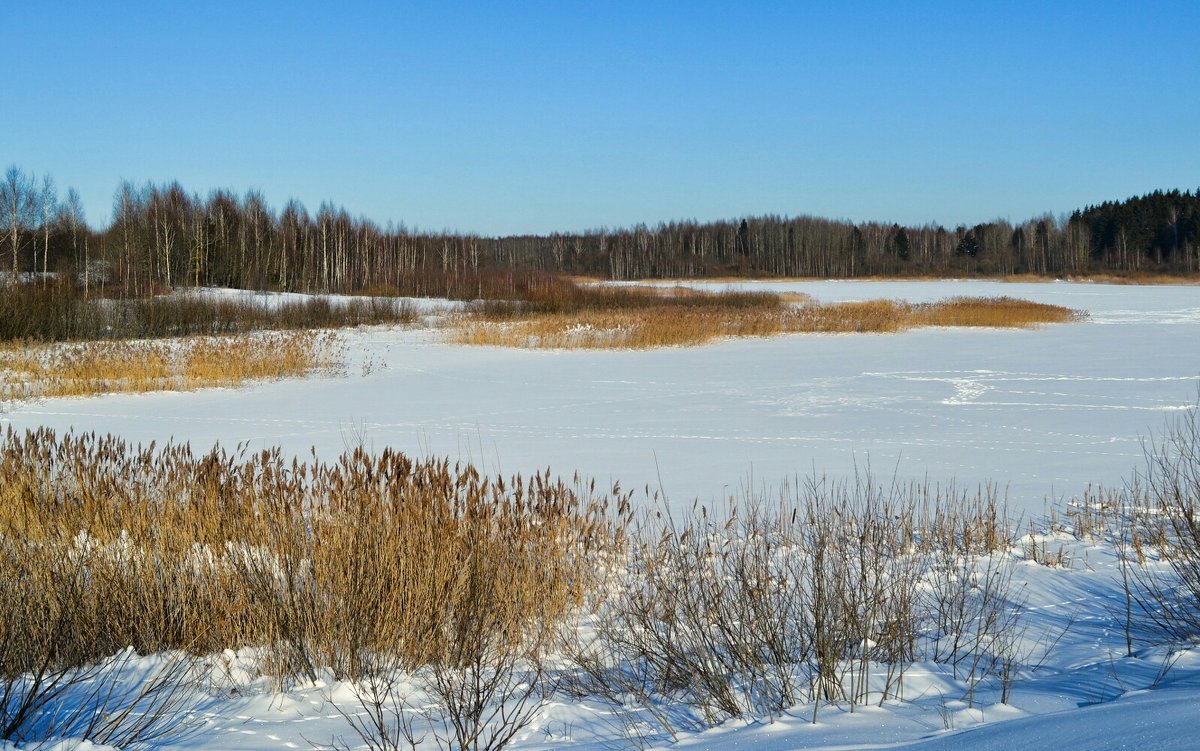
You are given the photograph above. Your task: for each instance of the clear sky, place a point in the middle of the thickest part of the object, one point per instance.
(514, 117)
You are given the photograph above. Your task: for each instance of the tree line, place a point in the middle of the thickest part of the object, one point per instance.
(161, 236)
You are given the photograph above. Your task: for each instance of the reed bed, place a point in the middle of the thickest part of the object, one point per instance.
(322, 565)
(655, 319)
(31, 371)
(991, 312)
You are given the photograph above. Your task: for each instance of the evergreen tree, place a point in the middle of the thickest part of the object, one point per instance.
(968, 245)
(900, 244)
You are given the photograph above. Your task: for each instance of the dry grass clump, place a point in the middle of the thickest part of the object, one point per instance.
(871, 316)
(566, 315)
(649, 317)
(995, 312)
(323, 565)
(32, 371)
(615, 329)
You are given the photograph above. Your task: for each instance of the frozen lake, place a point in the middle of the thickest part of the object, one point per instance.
(1043, 412)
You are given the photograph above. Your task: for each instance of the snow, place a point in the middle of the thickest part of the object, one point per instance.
(1043, 412)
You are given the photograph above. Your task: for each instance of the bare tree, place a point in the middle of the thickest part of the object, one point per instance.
(17, 201)
(70, 218)
(47, 200)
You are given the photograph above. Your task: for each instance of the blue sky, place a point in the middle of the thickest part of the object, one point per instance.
(504, 118)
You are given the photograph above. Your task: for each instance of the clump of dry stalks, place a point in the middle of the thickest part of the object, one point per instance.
(324, 565)
(643, 317)
(30, 371)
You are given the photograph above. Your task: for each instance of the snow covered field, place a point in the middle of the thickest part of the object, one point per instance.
(1044, 412)
(1041, 412)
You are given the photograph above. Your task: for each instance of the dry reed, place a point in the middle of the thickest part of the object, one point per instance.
(674, 319)
(103, 546)
(31, 371)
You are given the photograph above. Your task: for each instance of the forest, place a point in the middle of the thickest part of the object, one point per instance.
(161, 236)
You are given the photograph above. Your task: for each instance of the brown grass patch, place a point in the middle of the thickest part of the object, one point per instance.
(656, 327)
(991, 312)
(34, 371)
(796, 298)
(682, 323)
(321, 564)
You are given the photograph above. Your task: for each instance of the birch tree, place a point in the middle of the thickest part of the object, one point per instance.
(47, 199)
(17, 201)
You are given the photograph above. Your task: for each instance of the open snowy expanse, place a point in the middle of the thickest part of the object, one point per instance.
(1041, 412)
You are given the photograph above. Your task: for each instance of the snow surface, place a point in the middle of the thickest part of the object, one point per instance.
(1041, 412)
(1044, 412)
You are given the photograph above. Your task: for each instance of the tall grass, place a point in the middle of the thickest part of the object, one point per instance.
(104, 546)
(993, 312)
(31, 370)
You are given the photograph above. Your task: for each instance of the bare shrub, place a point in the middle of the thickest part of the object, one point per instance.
(976, 616)
(387, 718)
(1160, 544)
(825, 598)
(479, 695)
(58, 311)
